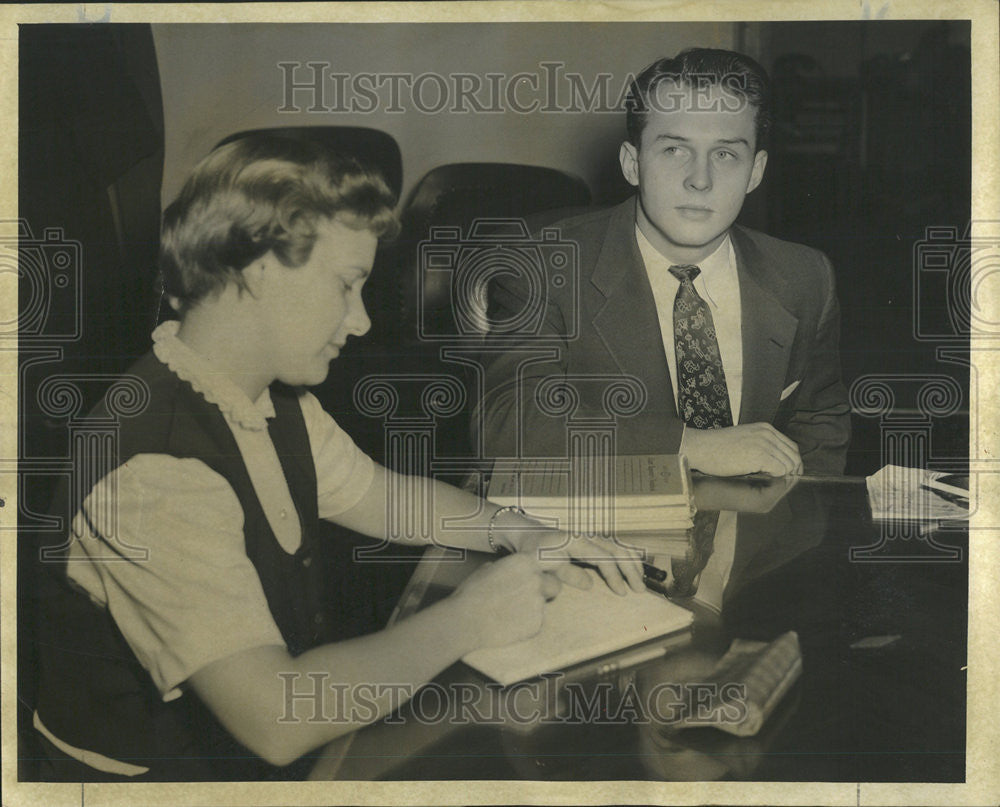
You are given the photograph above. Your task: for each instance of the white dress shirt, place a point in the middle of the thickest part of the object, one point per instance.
(718, 285)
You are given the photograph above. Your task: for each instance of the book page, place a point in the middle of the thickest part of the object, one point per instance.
(581, 625)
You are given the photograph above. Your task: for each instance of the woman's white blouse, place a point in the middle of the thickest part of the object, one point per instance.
(159, 541)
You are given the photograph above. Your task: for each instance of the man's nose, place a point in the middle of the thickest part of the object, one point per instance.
(699, 176)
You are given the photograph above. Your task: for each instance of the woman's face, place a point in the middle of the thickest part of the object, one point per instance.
(310, 310)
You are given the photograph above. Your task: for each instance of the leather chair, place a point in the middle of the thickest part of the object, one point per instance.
(437, 302)
(458, 205)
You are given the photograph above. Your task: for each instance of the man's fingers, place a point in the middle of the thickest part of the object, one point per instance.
(784, 439)
(783, 453)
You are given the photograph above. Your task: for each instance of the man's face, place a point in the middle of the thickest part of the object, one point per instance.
(695, 164)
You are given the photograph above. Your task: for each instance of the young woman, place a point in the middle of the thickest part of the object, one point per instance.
(188, 607)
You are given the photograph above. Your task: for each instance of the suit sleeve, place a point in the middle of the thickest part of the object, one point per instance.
(821, 421)
(535, 383)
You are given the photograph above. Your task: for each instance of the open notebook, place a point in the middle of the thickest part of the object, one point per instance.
(581, 625)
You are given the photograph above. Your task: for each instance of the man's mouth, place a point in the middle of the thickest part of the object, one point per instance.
(694, 212)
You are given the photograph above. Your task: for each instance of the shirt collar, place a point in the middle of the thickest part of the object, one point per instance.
(213, 386)
(719, 267)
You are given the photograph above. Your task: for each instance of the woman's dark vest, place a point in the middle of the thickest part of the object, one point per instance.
(93, 693)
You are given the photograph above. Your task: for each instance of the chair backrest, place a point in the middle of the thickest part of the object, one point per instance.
(437, 284)
(462, 209)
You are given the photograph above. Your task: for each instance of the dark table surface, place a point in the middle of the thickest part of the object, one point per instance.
(808, 559)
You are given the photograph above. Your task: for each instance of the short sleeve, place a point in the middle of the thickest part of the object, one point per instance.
(159, 542)
(343, 471)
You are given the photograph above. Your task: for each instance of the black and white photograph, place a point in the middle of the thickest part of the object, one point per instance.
(493, 403)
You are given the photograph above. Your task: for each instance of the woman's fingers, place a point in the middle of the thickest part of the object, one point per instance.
(575, 576)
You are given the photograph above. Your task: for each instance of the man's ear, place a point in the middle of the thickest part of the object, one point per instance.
(757, 173)
(628, 156)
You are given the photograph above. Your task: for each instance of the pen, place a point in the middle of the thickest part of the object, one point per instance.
(631, 659)
(625, 660)
(654, 573)
(653, 576)
(959, 500)
(941, 486)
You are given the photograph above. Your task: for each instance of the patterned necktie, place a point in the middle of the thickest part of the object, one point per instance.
(702, 395)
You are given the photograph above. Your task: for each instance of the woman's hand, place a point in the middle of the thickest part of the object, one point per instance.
(620, 566)
(506, 599)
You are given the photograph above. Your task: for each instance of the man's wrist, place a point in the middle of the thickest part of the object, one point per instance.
(689, 448)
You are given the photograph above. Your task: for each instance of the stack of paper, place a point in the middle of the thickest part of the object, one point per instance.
(583, 624)
(916, 494)
(647, 492)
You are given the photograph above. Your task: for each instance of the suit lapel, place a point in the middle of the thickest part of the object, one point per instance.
(629, 327)
(627, 323)
(768, 334)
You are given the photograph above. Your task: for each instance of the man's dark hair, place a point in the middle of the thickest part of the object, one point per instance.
(702, 67)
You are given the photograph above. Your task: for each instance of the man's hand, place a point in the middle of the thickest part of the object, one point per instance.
(745, 449)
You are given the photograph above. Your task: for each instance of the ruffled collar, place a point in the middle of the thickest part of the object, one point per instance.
(214, 387)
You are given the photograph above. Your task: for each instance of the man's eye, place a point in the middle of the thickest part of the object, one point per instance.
(725, 155)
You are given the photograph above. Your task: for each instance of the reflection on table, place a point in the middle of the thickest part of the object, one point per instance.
(883, 644)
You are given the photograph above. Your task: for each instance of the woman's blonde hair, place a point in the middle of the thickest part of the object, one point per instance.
(260, 194)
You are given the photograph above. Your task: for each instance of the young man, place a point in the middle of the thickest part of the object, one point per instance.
(732, 334)
(188, 601)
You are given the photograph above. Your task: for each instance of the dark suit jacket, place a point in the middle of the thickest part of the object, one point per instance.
(602, 325)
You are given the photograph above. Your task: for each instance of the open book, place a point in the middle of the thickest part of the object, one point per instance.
(581, 625)
(647, 492)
